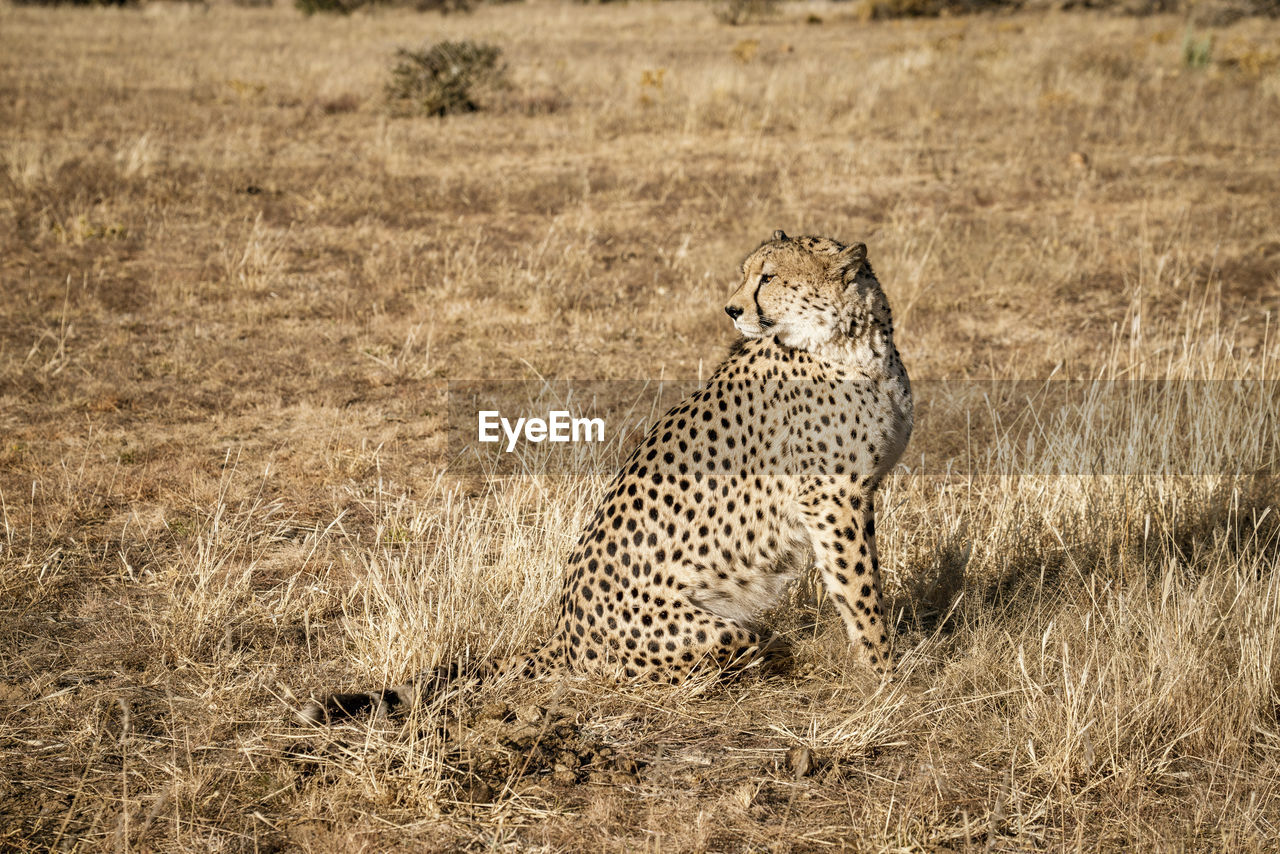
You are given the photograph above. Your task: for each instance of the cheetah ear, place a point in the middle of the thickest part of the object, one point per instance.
(851, 258)
(779, 235)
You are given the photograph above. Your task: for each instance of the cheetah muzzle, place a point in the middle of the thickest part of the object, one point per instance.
(767, 471)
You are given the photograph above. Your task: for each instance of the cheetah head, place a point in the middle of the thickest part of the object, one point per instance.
(808, 292)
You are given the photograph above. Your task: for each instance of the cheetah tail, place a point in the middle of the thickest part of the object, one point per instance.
(541, 662)
(338, 706)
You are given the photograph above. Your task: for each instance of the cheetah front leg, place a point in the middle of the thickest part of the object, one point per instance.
(841, 524)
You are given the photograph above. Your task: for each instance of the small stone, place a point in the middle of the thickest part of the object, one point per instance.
(11, 692)
(479, 792)
(496, 712)
(523, 736)
(531, 713)
(800, 761)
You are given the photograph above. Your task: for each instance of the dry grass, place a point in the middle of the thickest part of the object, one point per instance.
(234, 290)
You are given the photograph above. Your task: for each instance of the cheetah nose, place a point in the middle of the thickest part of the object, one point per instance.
(733, 311)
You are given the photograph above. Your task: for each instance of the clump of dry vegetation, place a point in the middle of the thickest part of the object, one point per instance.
(235, 293)
(346, 7)
(1213, 12)
(448, 77)
(738, 12)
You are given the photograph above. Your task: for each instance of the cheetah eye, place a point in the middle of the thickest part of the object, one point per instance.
(766, 278)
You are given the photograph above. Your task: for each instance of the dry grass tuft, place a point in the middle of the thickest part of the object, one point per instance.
(234, 292)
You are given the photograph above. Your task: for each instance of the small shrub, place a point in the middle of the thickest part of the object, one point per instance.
(444, 7)
(340, 7)
(75, 2)
(1197, 52)
(746, 50)
(885, 9)
(448, 77)
(735, 13)
(346, 7)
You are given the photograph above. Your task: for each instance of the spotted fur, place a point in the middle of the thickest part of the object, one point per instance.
(767, 470)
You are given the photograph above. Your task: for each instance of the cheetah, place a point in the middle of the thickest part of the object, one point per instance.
(768, 470)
